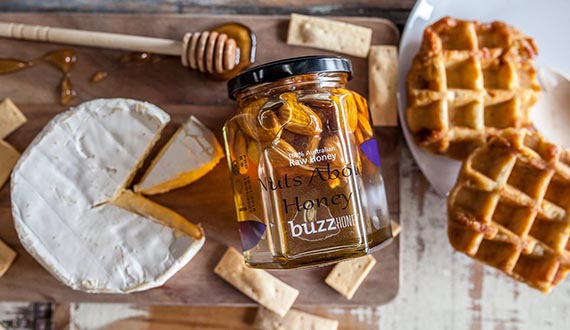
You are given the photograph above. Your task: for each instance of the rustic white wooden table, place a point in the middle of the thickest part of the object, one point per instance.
(439, 290)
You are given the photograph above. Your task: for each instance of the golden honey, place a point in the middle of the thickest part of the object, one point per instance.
(304, 165)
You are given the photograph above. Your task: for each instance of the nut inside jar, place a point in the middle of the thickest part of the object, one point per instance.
(305, 166)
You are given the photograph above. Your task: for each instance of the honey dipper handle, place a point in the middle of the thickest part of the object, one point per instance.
(90, 38)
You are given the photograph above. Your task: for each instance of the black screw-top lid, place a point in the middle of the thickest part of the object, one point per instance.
(274, 71)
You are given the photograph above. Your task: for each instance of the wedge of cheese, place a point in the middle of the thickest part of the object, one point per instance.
(63, 192)
(135, 203)
(190, 154)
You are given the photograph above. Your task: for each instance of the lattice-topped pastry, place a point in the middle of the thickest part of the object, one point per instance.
(510, 208)
(469, 81)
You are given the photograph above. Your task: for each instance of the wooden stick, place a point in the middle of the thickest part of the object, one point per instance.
(90, 38)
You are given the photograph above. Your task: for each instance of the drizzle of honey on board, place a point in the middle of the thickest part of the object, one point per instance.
(64, 60)
(139, 58)
(135, 58)
(98, 77)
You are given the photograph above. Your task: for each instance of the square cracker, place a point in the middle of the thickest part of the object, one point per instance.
(8, 159)
(7, 257)
(347, 276)
(293, 320)
(257, 284)
(396, 229)
(11, 118)
(383, 85)
(328, 34)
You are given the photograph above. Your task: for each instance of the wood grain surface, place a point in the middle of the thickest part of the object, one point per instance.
(440, 290)
(181, 93)
(395, 10)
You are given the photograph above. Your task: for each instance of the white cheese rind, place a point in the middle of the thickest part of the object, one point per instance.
(192, 148)
(60, 192)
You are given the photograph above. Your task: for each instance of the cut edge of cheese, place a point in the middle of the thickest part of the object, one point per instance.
(135, 203)
(8, 158)
(145, 208)
(7, 257)
(191, 153)
(11, 118)
(146, 153)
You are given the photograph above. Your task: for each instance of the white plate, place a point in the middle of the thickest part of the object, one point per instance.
(546, 21)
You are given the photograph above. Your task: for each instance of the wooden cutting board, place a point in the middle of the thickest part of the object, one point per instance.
(208, 201)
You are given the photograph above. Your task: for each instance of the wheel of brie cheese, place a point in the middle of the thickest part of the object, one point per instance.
(71, 210)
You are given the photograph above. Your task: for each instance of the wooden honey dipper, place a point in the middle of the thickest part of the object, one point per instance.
(221, 52)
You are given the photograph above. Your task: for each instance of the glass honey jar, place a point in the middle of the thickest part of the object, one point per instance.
(305, 167)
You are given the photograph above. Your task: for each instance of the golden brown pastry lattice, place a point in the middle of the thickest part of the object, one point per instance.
(469, 81)
(510, 208)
